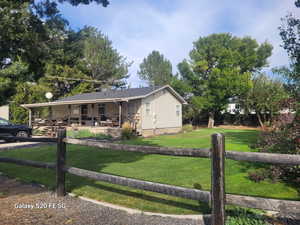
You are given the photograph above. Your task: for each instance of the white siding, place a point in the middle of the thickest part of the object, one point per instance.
(162, 113)
(4, 112)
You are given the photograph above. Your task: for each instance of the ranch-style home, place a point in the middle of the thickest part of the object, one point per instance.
(149, 110)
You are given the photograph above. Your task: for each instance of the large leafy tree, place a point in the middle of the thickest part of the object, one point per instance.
(220, 67)
(38, 51)
(23, 35)
(265, 98)
(34, 32)
(156, 69)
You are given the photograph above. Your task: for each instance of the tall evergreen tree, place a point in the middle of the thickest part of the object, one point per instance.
(156, 69)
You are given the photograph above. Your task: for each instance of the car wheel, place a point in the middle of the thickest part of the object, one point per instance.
(22, 134)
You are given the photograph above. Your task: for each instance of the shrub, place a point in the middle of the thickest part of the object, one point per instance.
(127, 132)
(187, 128)
(285, 139)
(241, 216)
(80, 134)
(258, 175)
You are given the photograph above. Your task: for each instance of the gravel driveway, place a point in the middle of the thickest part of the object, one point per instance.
(24, 204)
(15, 145)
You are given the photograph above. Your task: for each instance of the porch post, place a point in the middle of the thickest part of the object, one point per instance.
(69, 115)
(93, 115)
(80, 115)
(120, 114)
(50, 112)
(30, 118)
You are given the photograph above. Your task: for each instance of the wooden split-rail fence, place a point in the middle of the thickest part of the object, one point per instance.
(217, 197)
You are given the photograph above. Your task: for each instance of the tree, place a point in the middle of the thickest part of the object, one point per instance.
(36, 46)
(34, 32)
(265, 97)
(220, 68)
(10, 76)
(62, 79)
(102, 62)
(290, 35)
(156, 69)
(29, 93)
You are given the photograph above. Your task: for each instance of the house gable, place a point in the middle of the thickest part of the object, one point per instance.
(161, 109)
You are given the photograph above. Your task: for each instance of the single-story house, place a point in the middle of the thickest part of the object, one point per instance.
(149, 110)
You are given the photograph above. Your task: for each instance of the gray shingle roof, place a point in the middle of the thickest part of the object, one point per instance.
(111, 94)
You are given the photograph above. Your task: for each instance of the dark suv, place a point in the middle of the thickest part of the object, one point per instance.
(8, 129)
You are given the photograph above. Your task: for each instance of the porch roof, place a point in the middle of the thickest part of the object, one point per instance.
(107, 96)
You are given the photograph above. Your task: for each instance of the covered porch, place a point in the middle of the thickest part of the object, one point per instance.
(98, 117)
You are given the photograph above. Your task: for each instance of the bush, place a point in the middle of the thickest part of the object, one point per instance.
(127, 132)
(285, 139)
(241, 216)
(258, 175)
(187, 128)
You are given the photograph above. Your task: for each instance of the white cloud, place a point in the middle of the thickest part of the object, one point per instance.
(138, 27)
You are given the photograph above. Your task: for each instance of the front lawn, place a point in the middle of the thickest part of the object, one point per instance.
(180, 171)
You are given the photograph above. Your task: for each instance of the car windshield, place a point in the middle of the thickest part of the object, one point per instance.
(3, 122)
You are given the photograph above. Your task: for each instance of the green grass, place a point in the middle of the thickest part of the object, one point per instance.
(180, 171)
(87, 134)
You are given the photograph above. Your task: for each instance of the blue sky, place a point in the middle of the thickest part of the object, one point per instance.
(136, 27)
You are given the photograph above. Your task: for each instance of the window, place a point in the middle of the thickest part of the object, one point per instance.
(178, 110)
(148, 108)
(101, 111)
(84, 110)
(75, 109)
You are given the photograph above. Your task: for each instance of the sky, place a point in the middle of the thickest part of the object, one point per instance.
(136, 27)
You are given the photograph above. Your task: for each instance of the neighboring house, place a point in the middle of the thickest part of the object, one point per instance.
(234, 107)
(4, 112)
(149, 110)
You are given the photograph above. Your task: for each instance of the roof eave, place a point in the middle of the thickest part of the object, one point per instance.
(74, 102)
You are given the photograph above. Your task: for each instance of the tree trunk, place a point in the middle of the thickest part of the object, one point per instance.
(211, 120)
(260, 120)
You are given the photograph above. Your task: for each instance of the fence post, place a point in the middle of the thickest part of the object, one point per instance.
(218, 179)
(60, 162)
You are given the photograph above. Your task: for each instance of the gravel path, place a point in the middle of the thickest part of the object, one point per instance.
(43, 208)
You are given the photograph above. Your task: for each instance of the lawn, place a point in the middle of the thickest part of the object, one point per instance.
(180, 171)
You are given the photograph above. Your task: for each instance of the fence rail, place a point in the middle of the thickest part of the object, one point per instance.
(285, 159)
(188, 193)
(188, 152)
(217, 153)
